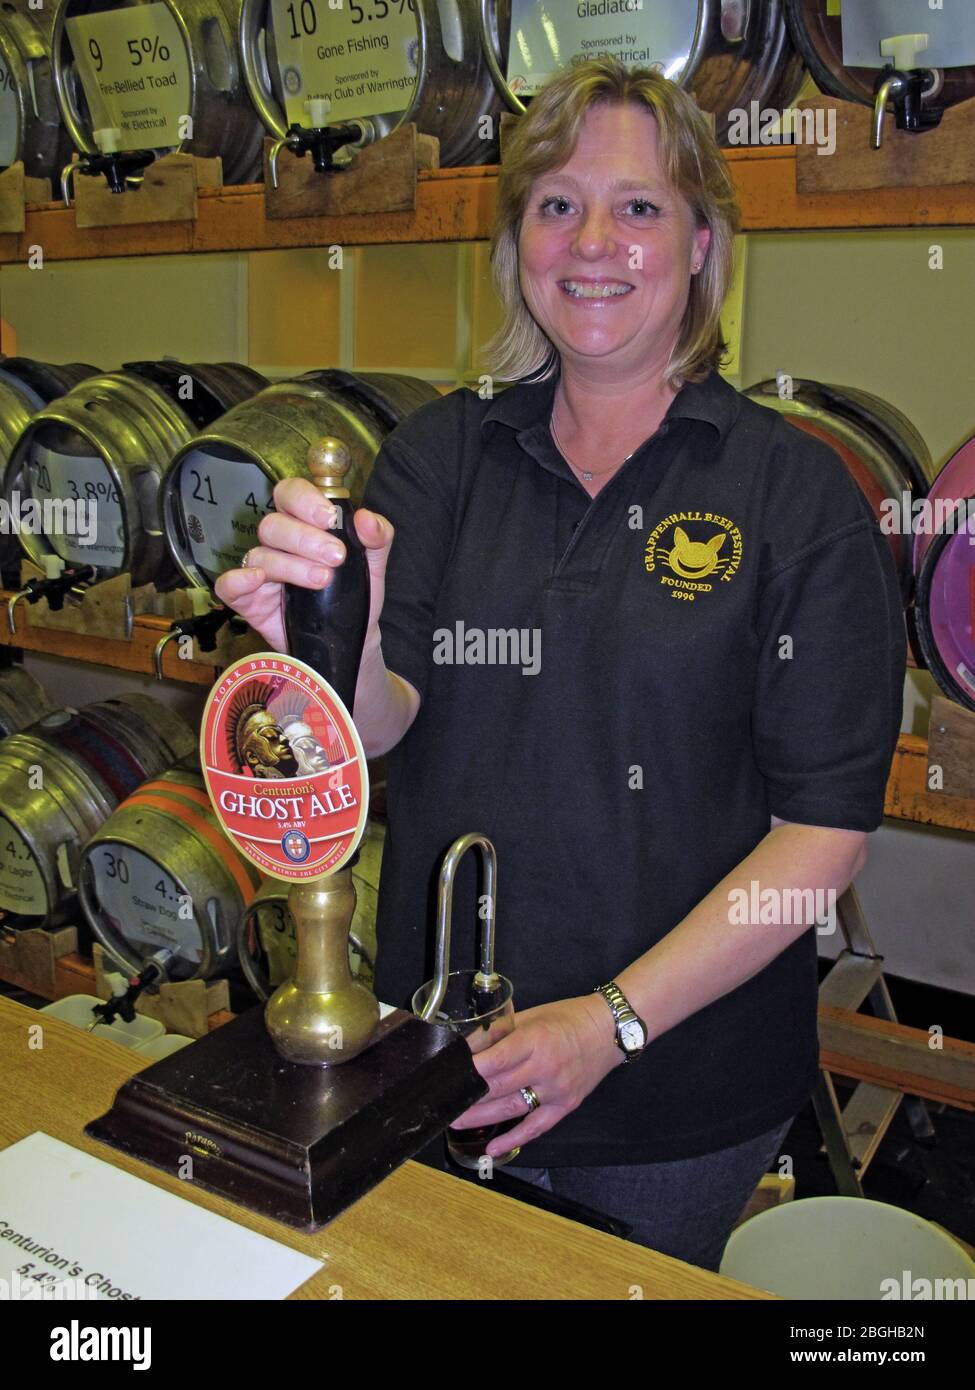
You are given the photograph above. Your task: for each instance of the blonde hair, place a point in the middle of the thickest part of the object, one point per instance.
(543, 139)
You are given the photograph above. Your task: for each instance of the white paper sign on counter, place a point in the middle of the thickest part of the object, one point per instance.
(69, 1218)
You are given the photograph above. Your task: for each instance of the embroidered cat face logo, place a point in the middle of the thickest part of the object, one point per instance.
(693, 559)
(690, 569)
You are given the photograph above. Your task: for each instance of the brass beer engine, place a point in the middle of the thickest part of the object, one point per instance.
(322, 1015)
(298, 1109)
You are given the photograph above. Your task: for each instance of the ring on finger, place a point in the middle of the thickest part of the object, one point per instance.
(530, 1098)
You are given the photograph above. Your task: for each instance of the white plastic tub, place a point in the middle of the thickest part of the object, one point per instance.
(76, 1009)
(157, 1048)
(846, 1248)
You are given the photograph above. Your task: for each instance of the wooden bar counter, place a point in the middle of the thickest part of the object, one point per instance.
(421, 1234)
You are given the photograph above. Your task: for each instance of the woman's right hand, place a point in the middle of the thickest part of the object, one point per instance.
(296, 548)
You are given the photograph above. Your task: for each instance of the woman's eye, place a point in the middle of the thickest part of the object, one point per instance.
(558, 205)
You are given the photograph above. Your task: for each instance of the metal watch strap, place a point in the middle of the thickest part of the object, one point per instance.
(623, 1012)
(617, 1001)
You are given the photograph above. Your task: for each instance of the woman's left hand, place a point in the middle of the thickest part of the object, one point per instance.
(561, 1050)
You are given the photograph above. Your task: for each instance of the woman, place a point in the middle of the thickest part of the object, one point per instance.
(645, 636)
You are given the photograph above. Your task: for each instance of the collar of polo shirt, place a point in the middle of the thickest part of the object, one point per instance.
(525, 404)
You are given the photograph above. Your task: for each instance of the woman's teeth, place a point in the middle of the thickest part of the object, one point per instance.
(580, 290)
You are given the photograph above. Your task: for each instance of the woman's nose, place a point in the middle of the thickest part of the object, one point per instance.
(596, 232)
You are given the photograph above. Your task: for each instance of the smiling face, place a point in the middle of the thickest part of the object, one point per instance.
(606, 247)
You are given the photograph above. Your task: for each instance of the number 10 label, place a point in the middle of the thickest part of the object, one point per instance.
(362, 57)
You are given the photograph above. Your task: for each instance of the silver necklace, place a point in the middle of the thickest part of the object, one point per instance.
(585, 474)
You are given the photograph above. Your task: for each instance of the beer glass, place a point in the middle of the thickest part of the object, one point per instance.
(482, 1017)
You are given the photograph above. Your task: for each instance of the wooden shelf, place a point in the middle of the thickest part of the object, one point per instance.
(459, 204)
(765, 181)
(136, 654)
(452, 205)
(909, 799)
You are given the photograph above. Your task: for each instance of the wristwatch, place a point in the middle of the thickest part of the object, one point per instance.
(631, 1031)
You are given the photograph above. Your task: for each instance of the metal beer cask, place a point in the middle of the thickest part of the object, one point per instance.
(31, 129)
(25, 387)
(39, 382)
(160, 873)
(890, 425)
(950, 484)
(726, 53)
(881, 450)
(22, 700)
(451, 94)
(108, 442)
(219, 484)
(944, 566)
(60, 778)
(208, 85)
(945, 606)
(818, 34)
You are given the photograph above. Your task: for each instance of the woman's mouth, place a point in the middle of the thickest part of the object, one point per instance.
(594, 289)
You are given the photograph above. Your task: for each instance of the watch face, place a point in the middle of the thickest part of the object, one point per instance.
(632, 1035)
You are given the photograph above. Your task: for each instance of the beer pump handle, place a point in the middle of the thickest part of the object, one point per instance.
(326, 628)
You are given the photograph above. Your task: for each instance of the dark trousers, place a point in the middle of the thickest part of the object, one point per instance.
(686, 1208)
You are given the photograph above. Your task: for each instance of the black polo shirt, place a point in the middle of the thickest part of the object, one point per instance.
(714, 639)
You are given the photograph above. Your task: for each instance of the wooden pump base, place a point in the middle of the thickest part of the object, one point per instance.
(296, 1143)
